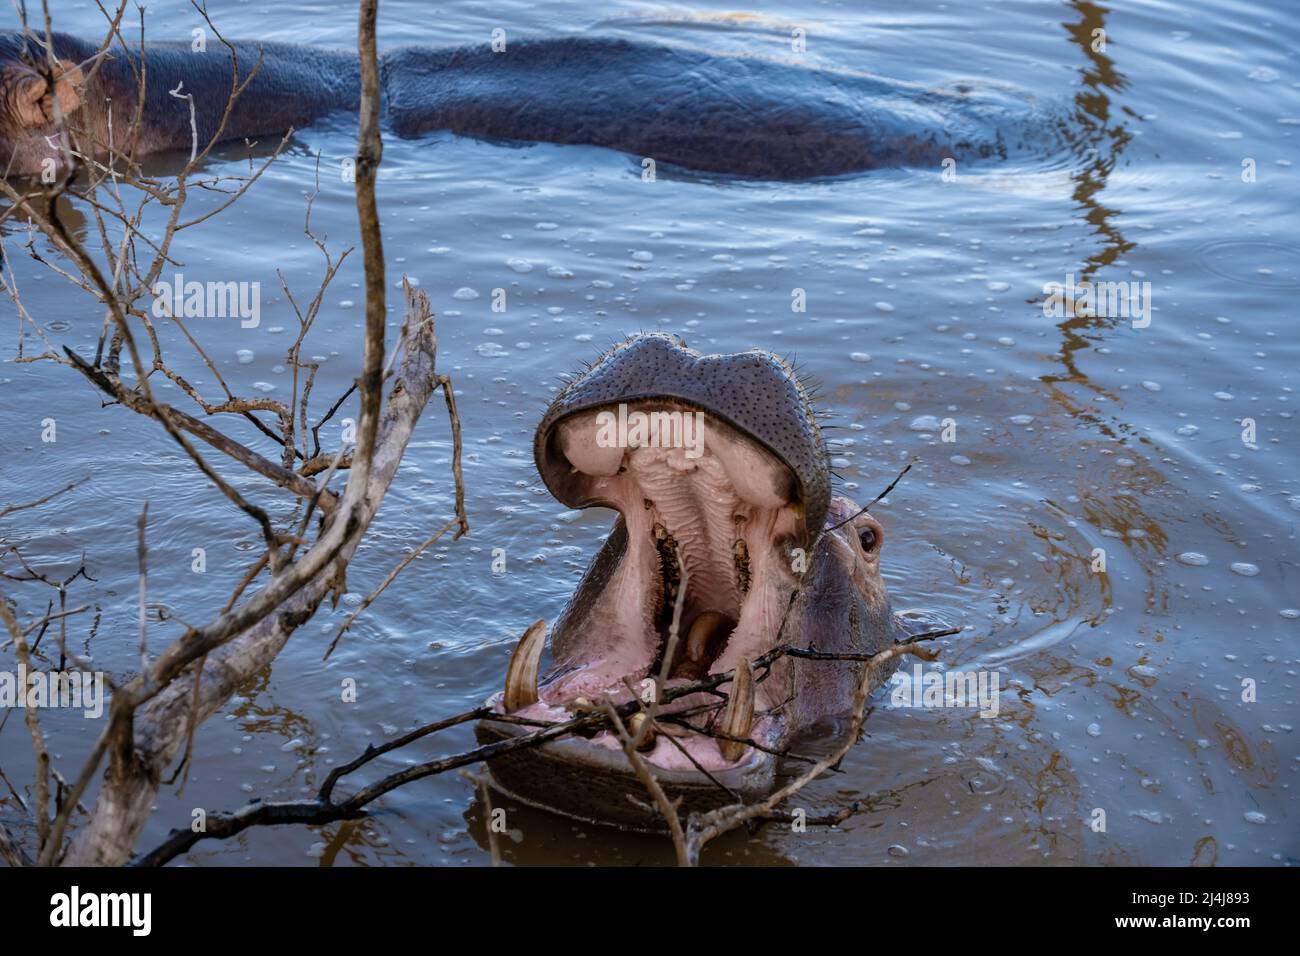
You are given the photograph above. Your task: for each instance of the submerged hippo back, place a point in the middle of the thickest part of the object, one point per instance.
(715, 112)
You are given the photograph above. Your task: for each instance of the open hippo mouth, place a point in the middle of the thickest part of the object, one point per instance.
(718, 472)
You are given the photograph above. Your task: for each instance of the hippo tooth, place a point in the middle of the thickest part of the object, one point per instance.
(521, 676)
(740, 551)
(739, 718)
(701, 633)
(634, 725)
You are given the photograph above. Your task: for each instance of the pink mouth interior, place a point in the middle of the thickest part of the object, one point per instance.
(727, 507)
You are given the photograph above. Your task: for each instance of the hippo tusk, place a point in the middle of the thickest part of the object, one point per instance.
(739, 717)
(634, 725)
(521, 675)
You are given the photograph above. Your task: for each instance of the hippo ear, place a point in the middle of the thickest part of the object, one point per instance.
(34, 104)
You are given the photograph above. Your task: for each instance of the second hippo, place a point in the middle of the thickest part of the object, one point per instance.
(723, 113)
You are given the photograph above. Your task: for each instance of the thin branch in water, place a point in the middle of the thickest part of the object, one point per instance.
(142, 555)
(867, 507)
(668, 808)
(392, 576)
(194, 128)
(39, 751)
(10, 509)
(44, 622)
(11, 850)
(485, 795)
(705, 827)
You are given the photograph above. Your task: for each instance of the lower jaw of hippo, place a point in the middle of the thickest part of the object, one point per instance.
(709, 532)
(596, 784)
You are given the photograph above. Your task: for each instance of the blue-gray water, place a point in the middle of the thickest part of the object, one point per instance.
(1122, 692)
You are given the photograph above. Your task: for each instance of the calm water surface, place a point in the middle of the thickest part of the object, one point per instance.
(1122, 692)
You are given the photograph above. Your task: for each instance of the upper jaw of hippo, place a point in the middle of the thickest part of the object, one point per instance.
(726, 478)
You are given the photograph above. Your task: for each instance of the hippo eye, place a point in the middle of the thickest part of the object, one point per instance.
(867, 538)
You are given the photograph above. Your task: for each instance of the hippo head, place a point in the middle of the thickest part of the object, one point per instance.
(721, 480)
(29, 100)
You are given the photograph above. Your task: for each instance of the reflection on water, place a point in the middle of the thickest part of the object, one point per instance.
(1097, 139)
(1079, 438)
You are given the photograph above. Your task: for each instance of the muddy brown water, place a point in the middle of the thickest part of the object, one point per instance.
(1128, 692)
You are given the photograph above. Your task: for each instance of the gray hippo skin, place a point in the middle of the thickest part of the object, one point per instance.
(720, 113)
(715, 112)
(293, 86)
(741, 508)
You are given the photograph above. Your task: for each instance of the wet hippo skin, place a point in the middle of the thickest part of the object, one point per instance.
(721, 113)
(293, 86)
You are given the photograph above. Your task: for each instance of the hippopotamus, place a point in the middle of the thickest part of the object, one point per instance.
(723, 113)
(294, 86)
(716, 467)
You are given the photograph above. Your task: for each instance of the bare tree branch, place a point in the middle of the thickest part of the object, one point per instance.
(326, 809)
(167, 705)
(10, 509)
